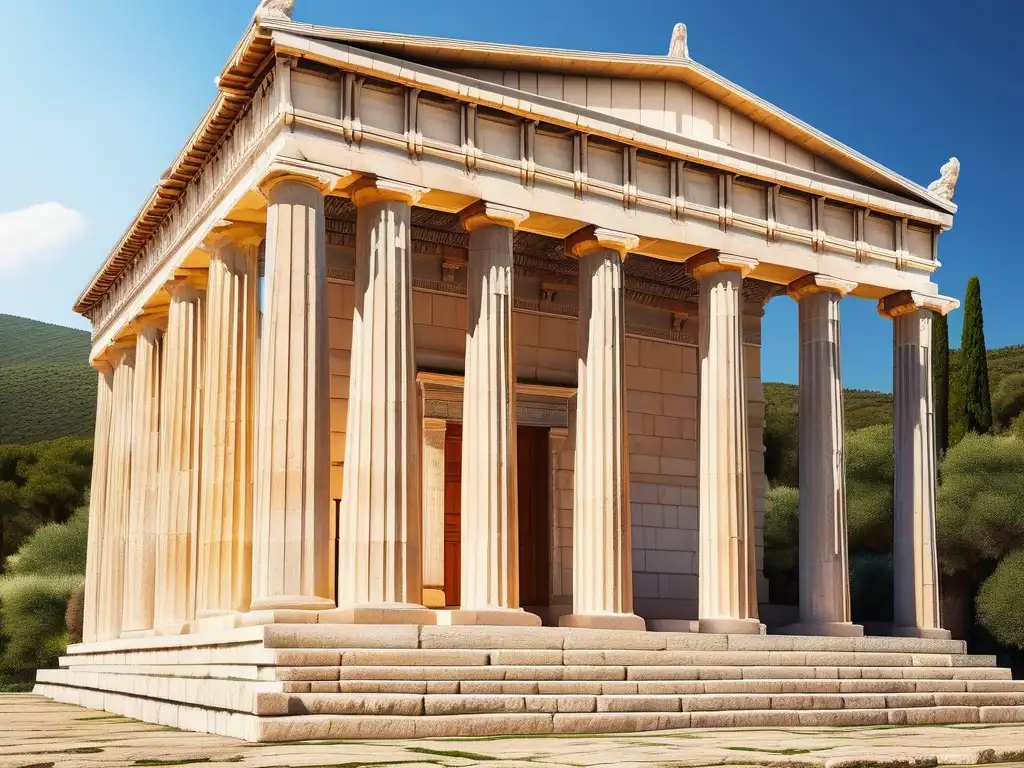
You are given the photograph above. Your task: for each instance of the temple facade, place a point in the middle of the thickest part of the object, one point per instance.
(421, 332)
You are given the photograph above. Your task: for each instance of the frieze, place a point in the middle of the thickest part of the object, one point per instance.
(528, 414)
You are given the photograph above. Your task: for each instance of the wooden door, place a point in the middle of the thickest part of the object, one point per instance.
(452, 513)
(534, 551)
(534, 538)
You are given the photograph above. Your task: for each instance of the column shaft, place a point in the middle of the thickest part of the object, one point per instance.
(140, 549)
(824, 565)
(97, 502)
(379, 569)
(291, 522)
(602, 554)
(225, 520)
(915, 564)
(117, 500)
(433, 512)
(727, 586)
(490, 510)
(177, 516)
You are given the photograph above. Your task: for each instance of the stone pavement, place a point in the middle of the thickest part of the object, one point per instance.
(37, 732)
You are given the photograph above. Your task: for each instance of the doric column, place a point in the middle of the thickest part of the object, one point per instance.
(490, 511)
(291, 520)
(140, 547)
(602, 554)
(97, 500)
(379, 572)
(433, 512)
(229, 365)
(727, 581)
(824, 564)
(915, 563)
(177, 512)
(115, 507)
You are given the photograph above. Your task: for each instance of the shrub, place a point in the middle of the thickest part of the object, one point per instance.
(979, 504)
(1008, 400)
(32, 608)
(55, 549)
(781, 536)
(869, 477)
(998, 604)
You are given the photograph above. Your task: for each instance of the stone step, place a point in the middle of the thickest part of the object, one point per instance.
(570, 687)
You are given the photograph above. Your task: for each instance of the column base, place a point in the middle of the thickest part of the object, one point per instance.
(926, 633)
(433, 597)
(497, 617)
(175, 628)
(254, 618)
(603, 621)
(822, 629)
(292, 603)
(379, 613)
(138, 633)
(730, 627)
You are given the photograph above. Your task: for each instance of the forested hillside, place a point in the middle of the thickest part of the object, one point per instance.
(47, 389)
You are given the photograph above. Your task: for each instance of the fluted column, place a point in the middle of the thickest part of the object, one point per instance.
(916, 603)
(140, 548)
(490, 511)
(380, 579)
(97, 500)
(433, 512)
(823, 555)
(291, 521)
(177, 512)
(116, 503)
(727, 580)
(602, 554)
(229, 365)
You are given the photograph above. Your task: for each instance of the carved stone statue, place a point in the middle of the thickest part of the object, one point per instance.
(677, 47)
(275, 9)
(945, 185)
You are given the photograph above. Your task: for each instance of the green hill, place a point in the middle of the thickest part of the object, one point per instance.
(47, 388)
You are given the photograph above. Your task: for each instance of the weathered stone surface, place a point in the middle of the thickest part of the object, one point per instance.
(509, 638)
(610, 722)
(364, 636)
(466, 704)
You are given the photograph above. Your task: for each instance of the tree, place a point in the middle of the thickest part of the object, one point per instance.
(940, 381)
(998, 603)
(973, 401)
(869, 499)
(781, 537)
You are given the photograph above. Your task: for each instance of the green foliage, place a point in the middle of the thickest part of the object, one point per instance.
(971, 410)
(55, 549)
(40, 483)
(34, 595)
(998, 605)
(978, 516)
(940, 381)
(44, 369)
(781, 534)
(869, 488)
(1008, 400)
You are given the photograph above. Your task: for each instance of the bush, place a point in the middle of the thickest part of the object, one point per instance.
(56, 549)
(869, 499)
(1008, 400)
(32, 609)
(998, 604)
(980, 504)
(781, 536)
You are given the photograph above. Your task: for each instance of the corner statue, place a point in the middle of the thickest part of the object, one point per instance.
(275, 9)
(945, 185)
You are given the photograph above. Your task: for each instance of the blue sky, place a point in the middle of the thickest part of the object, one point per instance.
(100, 94)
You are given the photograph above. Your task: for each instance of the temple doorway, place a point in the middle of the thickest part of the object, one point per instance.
(534, 523)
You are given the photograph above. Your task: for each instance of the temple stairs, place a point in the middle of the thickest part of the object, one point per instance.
(320, 681)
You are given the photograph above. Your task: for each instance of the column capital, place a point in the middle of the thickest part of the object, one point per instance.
(485, 214)
(102, 363)
(235, 232)
(371, 189)
(712, 262)
(186, 285)
(284, 170)
(815, 283)
(122, 352)
(590, 239)
(431, 424)
(151, 321)
(905, 302)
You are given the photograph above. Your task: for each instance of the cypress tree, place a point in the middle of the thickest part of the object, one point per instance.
(940, 381)
(973, 401)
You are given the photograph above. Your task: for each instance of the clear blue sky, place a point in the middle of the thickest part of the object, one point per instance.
(99, 95)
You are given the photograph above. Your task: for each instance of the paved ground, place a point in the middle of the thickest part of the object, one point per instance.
(40, 733)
